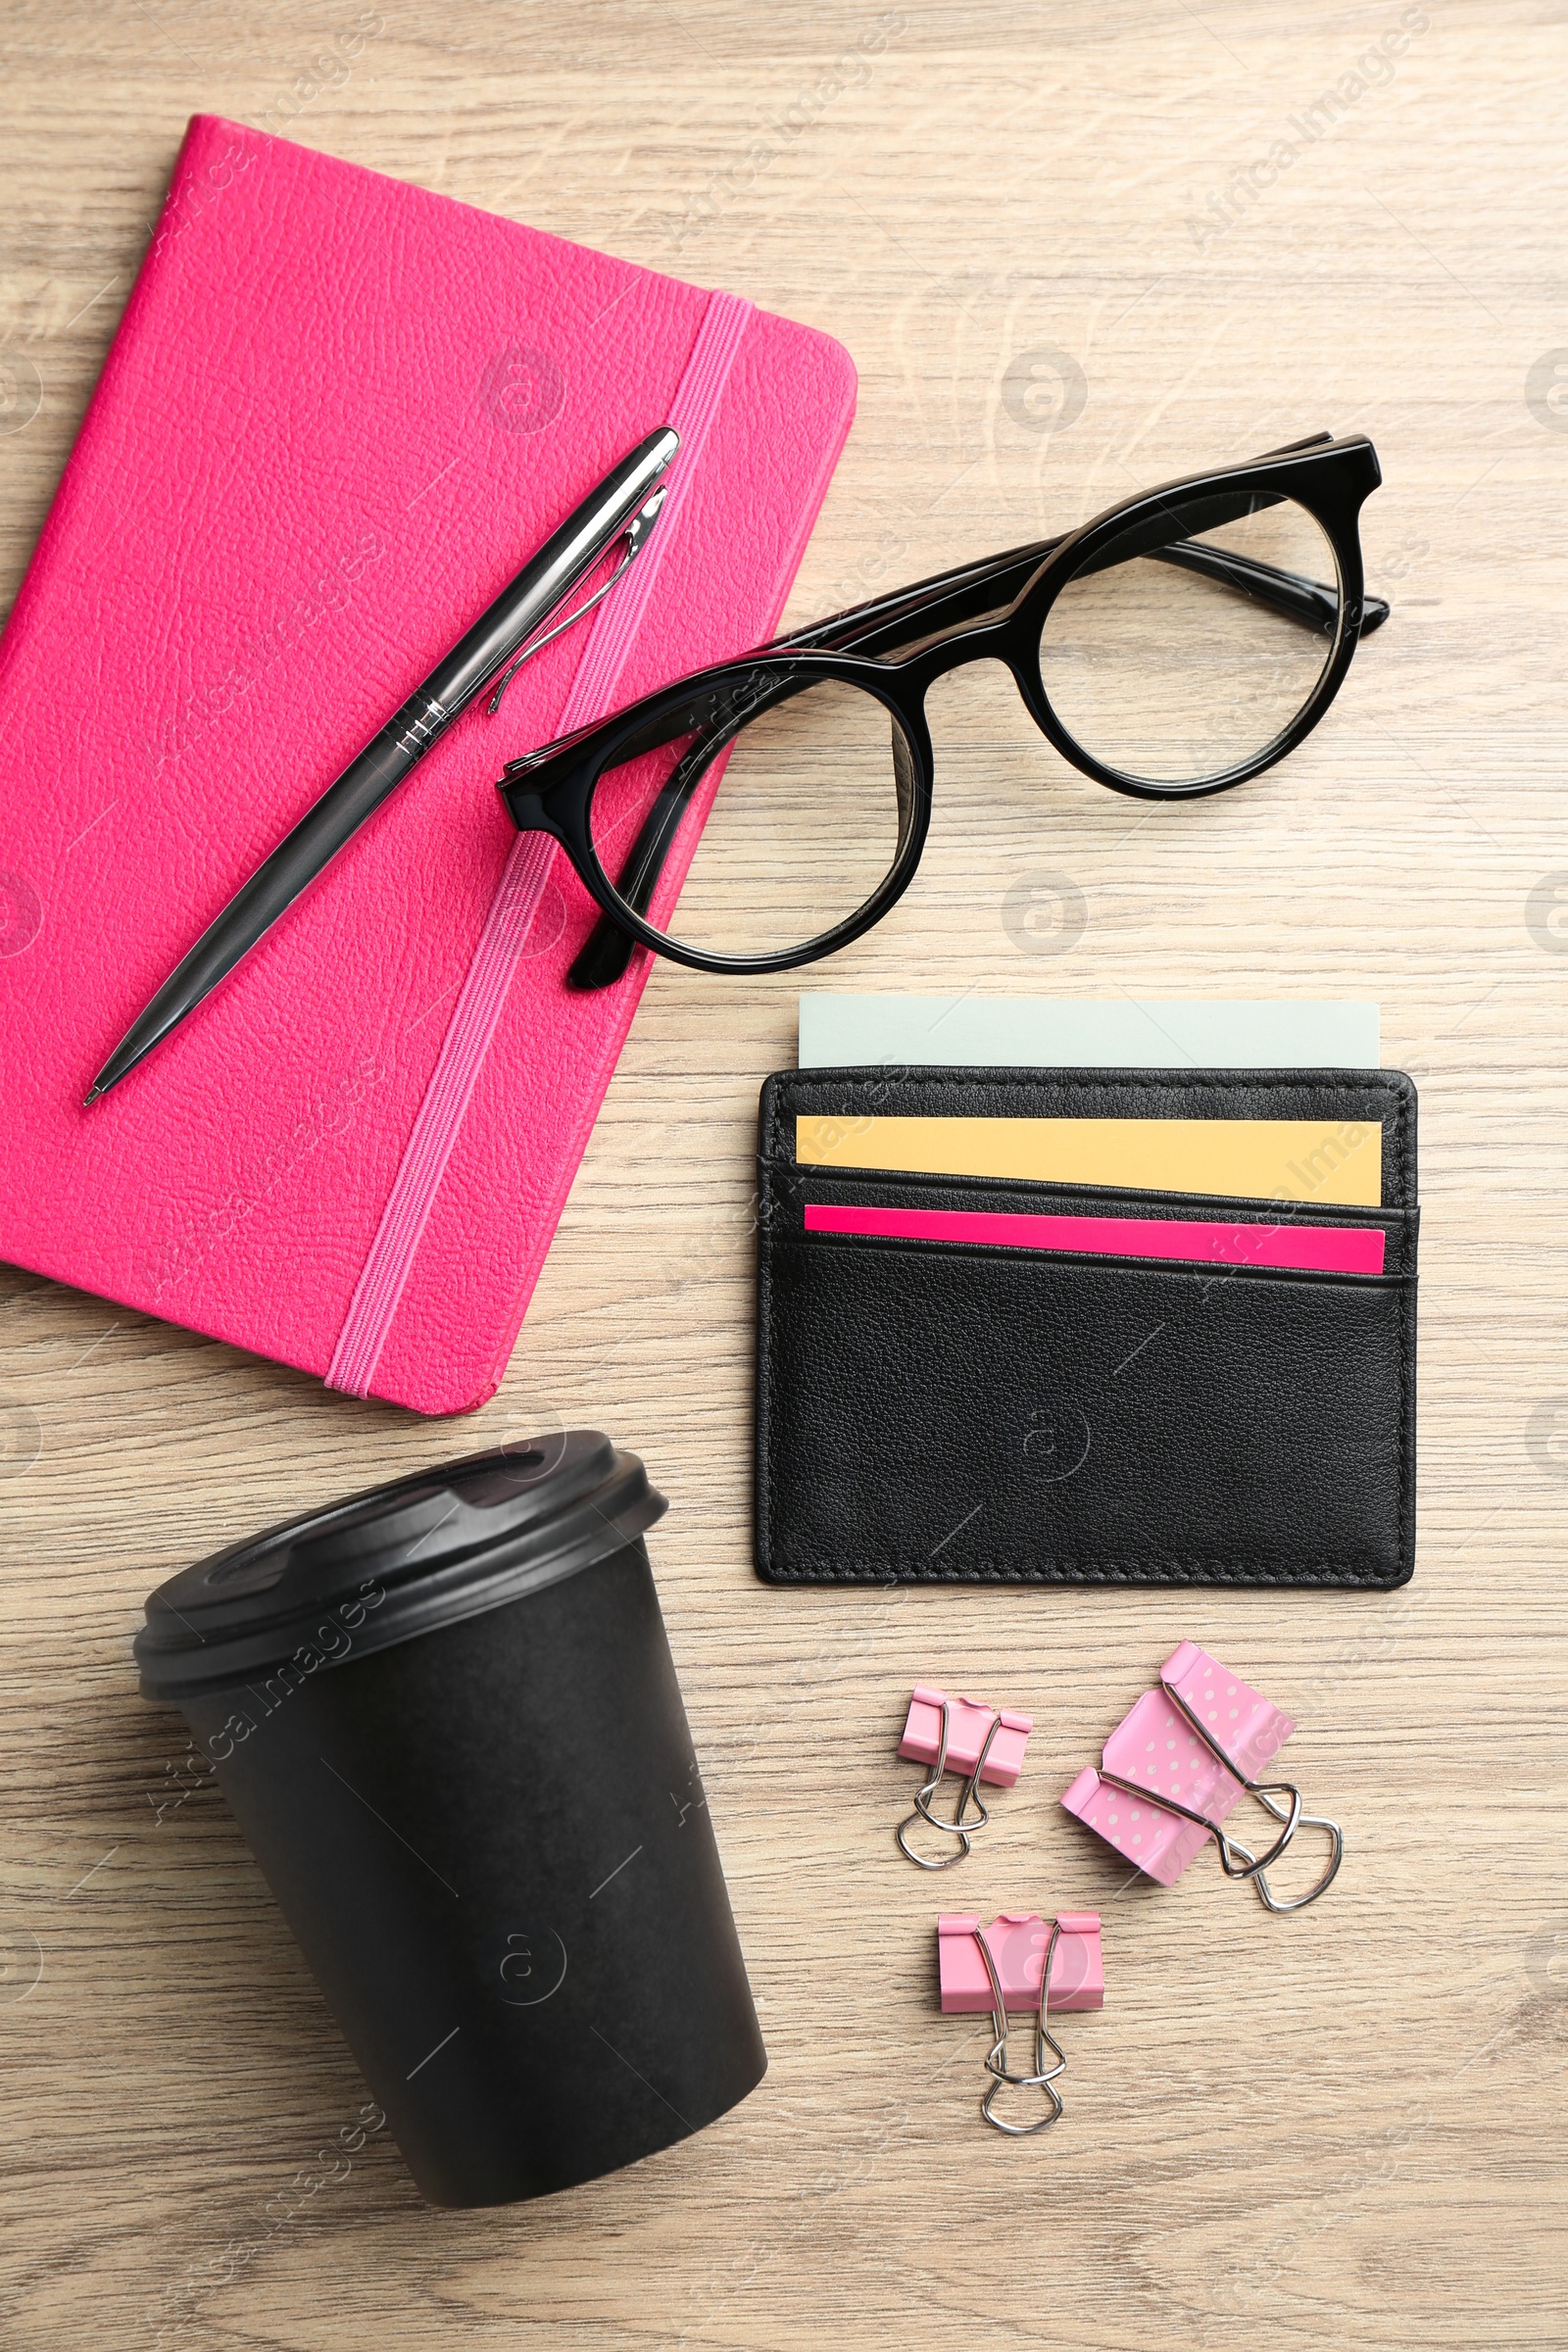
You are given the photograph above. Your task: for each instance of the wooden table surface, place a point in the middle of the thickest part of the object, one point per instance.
(1072, 251)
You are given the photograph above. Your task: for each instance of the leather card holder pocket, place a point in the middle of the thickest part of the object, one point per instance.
(930, 1410)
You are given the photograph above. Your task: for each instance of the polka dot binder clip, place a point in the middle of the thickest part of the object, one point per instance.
(1021, 1961)
(958, 1735)
(1174, 1770)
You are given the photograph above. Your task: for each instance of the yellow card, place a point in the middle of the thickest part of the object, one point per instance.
(1329, 1162)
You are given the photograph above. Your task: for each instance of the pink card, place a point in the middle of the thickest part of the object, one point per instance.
(1298, 1249)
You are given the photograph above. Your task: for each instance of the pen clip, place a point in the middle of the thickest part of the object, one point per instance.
(633, 539)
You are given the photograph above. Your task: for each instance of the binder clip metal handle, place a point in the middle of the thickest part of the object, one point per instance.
(1298, 1821)
(1237, 1861)
(962, 1822)
(980, 1742)
(1045, 2075)
(1266, 1791)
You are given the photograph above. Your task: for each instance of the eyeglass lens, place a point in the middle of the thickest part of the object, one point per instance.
(1172, 674)
(801, 828)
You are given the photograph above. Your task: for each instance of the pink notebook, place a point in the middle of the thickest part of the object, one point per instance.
(337, 415)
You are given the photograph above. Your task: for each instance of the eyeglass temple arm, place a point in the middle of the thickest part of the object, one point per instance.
(926, 609)
(948, 597)
(933, 606)
(928, 606)
(923, 607)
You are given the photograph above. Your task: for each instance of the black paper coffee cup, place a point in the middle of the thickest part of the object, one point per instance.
(446, 1717)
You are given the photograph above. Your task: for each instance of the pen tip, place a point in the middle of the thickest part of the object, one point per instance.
(92, 1094)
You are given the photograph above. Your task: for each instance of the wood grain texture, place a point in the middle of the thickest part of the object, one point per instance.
(1337, 2130)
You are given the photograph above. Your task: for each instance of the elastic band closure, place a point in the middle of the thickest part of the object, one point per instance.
(509, 921)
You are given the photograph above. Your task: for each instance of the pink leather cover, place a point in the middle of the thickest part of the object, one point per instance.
(337, 415)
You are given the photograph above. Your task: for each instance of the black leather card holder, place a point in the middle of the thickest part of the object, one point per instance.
(937, 1411)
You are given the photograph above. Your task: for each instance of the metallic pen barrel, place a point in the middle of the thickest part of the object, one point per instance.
(422, 731)
(336, 816)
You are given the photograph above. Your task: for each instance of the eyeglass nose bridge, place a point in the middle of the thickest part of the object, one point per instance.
(1011, 639)
(961, 646)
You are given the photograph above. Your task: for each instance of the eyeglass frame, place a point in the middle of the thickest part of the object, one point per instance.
(551, 790)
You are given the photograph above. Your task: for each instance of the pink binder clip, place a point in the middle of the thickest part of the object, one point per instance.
(1175, 1768)
(960, 1733)
(1021, 1961)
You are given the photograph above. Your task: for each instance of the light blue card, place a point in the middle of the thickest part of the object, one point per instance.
(1186, 1033)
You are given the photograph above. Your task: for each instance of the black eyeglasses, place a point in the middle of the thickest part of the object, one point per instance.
(762, 813)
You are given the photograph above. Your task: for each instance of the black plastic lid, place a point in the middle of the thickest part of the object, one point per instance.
(395, 1561)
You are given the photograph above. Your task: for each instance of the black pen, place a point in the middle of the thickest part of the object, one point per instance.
(625, 506)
